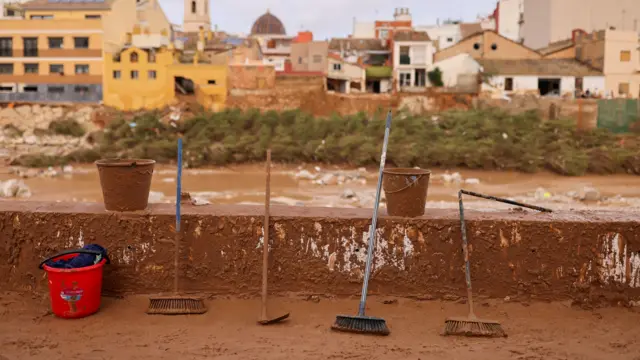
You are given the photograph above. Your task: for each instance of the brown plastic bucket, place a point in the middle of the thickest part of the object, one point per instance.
(406, 191)
(125, 183)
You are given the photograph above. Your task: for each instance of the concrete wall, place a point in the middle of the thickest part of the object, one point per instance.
(338, 69)
(505, 48)
(595, 84)
(452, 68)
(443, 36)
(588, 256)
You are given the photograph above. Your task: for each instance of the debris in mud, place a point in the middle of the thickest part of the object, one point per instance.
(450, 297)
(313, 298)
(200, 202)
(472, 181)
(14, 188)
(348, 194)
(305, 175)
(390, 301)
(589, 194)
(455, 178)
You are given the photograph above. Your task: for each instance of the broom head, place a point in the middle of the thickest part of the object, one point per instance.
(361, 325)
(274, 320)
(474, 327)
(176, 305)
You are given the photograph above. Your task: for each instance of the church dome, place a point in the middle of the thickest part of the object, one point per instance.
(268, 24)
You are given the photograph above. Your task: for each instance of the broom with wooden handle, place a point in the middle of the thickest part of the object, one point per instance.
(264, 318)
(472, 325)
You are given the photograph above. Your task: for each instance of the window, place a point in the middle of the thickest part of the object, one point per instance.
(134, 74)
(405, 79)
(476, 46)
(299, 59)
(337, 67)
(6, 69)
(508, 84)
(152, 56)
(211, 82)
(41, 17)
(494, 47)
(31, 68)
(81, 89)
(194, 8)
(317, 59)
(55, 89)
(6, 89)
(30, 46)
(6, 47)
(625, 56)
(623, 88)
(81, 42)
(405, 58)
(30, 88)
(152, 74)
(93, 16)
(449, 40)
(56, 69)
(82, 69)
(117, 74)
(55, 43)
(133, 58)
(383, 34)
(11, 12)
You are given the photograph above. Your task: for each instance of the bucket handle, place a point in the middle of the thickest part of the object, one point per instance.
(405, 187)
(74, 251)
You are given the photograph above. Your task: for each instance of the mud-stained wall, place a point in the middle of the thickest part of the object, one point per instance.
(589, 257)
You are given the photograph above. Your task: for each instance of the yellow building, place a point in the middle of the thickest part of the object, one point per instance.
(146, 73)
(55, 53)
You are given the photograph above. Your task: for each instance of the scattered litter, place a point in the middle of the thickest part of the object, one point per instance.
(200, 202)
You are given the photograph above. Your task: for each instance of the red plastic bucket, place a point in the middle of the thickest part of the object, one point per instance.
(74, 293)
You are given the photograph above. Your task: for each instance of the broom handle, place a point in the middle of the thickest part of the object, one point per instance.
(374, 219)
(506, 201)
(265, 242)
(465, 250)
(178, 199)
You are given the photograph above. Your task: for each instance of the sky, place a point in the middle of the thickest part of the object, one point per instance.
(328, 18)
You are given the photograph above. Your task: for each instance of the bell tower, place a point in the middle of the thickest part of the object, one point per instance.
(196, 15)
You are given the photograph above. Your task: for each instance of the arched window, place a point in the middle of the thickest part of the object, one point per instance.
(193, 7)
(133, 58)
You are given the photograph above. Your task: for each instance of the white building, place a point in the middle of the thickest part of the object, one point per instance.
(547, 77)
(443, 36)
(510, 19)
(412, 59)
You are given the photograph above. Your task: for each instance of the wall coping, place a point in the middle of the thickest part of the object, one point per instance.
(508, 214)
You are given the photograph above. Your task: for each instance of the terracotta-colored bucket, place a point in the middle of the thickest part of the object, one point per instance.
(125, 183)
(406, 191)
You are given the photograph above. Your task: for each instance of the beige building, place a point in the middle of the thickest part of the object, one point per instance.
(309, 56)
(343, 76)
(196, 16)
(617, 55)
(547, 21)
(488, 45)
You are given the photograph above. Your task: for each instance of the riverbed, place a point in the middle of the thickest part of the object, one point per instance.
(304, 186)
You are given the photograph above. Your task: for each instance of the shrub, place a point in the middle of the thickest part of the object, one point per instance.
(67, 127)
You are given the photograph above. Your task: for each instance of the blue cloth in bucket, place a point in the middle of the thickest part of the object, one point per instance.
(80, 260)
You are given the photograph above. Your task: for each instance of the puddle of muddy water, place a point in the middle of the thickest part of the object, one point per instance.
(245, 185)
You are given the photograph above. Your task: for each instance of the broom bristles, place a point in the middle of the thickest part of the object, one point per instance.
(176, 306)
(361, 324)
(473, 328)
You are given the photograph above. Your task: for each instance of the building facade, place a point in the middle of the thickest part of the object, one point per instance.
(309, 56)
(616, 53)
(547, 21)
(509, 17)
(412, 59)
(488, 45)
(343, 76)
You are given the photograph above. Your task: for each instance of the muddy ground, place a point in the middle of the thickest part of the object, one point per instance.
(121, 330)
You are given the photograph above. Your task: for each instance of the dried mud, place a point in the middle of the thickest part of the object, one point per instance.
(121, 330)
(590, 257)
